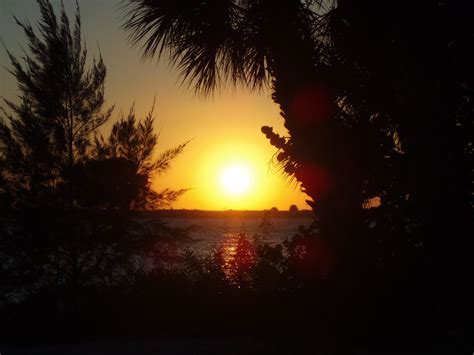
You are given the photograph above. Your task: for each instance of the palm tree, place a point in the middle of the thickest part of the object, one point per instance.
(284, 45)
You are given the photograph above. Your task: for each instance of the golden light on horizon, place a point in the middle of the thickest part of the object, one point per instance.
(235, 180)
(232, 173)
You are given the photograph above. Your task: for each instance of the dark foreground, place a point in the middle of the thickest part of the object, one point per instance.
(231, 345)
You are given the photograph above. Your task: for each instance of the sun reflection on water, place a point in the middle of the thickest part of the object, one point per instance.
(238, 257)
(229, 250)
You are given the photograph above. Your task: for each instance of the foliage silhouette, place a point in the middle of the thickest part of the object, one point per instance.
(61, 105)
(377, 101)
(135, 142)
(68, 195)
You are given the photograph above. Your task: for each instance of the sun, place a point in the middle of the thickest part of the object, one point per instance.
(235, 180)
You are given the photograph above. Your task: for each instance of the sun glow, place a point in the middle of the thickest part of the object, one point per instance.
(235, 180)
(232, 173)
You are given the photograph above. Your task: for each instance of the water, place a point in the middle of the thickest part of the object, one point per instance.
(209, 233)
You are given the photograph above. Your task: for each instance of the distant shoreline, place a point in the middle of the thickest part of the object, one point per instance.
(185, 213)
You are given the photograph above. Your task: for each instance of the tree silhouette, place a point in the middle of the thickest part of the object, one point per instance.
(48, 132)
(135, 142)
(412, 69)
(67, 193)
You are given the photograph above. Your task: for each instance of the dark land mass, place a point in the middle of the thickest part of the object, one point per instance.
(184, 213)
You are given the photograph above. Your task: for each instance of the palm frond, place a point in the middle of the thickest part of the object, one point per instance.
(201, 37)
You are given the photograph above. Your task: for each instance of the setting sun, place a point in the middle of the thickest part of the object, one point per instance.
(235, 180)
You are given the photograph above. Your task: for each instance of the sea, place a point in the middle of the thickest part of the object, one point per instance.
(210, 230)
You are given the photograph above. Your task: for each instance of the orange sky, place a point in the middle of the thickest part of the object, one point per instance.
(225, 129)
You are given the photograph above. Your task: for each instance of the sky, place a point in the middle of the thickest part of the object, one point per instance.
(227, 163)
